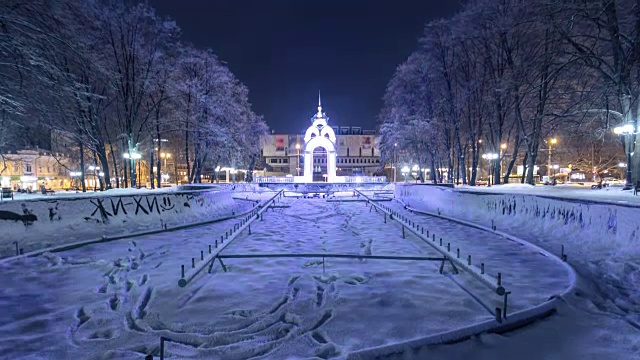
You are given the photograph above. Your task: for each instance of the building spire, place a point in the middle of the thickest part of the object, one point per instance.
(319, 115)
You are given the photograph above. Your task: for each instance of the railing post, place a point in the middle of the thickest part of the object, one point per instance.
(506, 295)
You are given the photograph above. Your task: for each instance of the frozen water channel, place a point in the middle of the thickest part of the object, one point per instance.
(114, 300)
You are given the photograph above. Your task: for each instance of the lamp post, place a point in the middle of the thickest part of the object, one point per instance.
(165, 156)
(95, 170)
(627, 130)
(490, 157)
(405, 171)
(415, 169)
(298, 159)
(393, 165)
(74, 175)
(133, 156)
(552, 142)
(503, 147)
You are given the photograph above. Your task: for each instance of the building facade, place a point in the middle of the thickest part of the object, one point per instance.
(357, 154)
(28, 169)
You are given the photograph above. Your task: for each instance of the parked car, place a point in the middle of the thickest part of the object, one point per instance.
(611, 181)
(6, 193)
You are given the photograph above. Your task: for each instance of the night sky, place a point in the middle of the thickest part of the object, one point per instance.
(287, 50)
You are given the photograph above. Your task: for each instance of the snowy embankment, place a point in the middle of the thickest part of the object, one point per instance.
(58, 220)
(601, 240)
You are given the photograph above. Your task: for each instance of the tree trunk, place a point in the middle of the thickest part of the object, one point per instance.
(132, 167)
(84, 186)
(151, 163)
(159, 166)
(186, 153)
(462, 170)
(524, 168)
(512, 162)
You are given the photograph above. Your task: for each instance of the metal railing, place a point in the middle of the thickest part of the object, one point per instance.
(225, 240)
(495, 284)
(274, 179)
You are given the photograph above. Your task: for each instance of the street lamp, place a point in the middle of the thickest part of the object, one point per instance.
(503, 147)
(133, 156)
(415, 169)
(75, 174)
(298, 159)
(627, 130)
(165, 156)
(490, 157)
(405, 171)
(393, 162)
(95, 170)
(552, 141)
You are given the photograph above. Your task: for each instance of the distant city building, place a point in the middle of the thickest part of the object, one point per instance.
(28, 169)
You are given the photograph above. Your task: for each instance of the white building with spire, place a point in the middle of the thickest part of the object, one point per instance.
(325, 152)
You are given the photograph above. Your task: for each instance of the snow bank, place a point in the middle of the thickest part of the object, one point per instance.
(601, 239)
(47, 222)
(583, 226)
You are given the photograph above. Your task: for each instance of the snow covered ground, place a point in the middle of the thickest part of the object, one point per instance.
(601, 319)
(114, 300)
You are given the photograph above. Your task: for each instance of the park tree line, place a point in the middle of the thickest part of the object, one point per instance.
(506, 76)
(113, 77)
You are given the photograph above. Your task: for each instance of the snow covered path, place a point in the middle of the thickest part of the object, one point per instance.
(114, 300)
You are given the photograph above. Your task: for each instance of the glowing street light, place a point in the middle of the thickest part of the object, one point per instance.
(625, 129)
(133, 156)
(490, 157)
(552, 142)
(405, 171)
(95, 170)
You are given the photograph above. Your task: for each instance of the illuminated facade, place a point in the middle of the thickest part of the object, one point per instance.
(322, 152)
(319, 135)
(28, 169)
